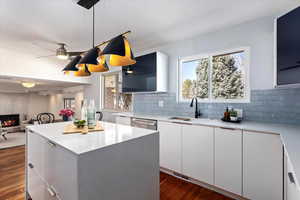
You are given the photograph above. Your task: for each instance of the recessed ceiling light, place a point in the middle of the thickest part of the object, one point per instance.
(28, 84)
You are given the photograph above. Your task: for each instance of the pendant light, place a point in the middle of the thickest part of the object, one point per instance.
(94, 60)
(71, 67)
(120, 51)
(90, 60)
(101, 67)
(83, 71)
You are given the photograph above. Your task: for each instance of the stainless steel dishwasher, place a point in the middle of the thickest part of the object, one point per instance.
(144, 123)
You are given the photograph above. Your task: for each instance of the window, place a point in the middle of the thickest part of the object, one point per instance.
(219, 77)
(113, 99)
(69, 103)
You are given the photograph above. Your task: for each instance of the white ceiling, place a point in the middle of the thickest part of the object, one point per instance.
(32, 26)
(13, 84)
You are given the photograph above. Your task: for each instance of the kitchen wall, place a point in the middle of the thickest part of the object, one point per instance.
(267, 104)
(29, 104)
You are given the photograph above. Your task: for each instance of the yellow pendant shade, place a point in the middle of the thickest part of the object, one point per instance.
(83, 71)
(116, 60)
(101, 67)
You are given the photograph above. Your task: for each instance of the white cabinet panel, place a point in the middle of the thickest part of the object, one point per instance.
(198, 152)
(61, 168)
(170, 145)
(35, 152)
(262, 166)
(228, 160)
(292, 187)
(123, 120)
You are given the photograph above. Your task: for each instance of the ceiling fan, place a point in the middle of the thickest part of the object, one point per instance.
(62, 53)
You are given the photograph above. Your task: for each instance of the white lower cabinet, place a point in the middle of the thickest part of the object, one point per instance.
(228, 160)
(170, 137)
(262, 166)
(123, 120)
(198, 152)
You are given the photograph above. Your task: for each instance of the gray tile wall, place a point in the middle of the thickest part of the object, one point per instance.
(274, 105)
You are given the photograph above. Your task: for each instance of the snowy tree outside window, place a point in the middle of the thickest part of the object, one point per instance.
(216, 77)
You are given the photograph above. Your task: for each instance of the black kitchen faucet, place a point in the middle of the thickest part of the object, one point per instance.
(197, 111)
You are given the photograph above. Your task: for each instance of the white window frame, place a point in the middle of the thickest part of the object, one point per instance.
(181, 60)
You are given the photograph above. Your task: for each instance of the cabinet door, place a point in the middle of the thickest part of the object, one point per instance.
(61, 171)
(262, 166)
(170, 145)
(35, 152)
(123, 120)
(198, 152)
(228, 160)
(292, 187)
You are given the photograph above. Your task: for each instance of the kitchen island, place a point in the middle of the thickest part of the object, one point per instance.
(121, 162)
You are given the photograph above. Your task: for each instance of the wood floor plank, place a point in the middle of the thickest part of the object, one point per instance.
(12, 179)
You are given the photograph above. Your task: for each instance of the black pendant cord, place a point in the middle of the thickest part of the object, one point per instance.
(93, 26)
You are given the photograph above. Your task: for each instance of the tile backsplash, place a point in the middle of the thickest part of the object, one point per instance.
(274, 105)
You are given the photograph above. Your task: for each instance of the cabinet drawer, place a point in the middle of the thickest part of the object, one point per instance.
(37, 188)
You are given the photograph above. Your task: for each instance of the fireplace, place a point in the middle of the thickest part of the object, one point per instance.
(10, 120)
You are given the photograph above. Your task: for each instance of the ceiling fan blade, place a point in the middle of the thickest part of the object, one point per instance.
(74, 53)
(39, 57)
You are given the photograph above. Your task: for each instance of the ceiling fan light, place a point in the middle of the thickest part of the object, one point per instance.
(72, 65)
(101, 67)
(83, 71)
(90, 57)
(61, 52)
(128, 59)
(28, 84)
(62, 57)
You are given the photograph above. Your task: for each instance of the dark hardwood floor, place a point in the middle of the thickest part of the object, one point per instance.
(12, 181)
(12, 174)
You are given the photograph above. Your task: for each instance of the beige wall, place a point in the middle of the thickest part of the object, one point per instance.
(29, 104)
(56, 103)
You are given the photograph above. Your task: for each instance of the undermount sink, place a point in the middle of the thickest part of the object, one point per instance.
(180, 118)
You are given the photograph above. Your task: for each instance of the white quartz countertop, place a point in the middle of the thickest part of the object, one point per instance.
(290, 134)
(81, 143)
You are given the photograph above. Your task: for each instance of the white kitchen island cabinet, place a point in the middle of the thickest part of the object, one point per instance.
(121, 162)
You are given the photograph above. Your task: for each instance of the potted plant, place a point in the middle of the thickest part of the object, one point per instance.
(233, 115)
(66, 114)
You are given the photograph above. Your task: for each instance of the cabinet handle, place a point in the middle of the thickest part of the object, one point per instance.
(30, 165)
(232, 129)
(182, 123)
(51, 144)
(51, 192)
(291, 177)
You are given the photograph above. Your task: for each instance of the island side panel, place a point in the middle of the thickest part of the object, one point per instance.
(128, 171)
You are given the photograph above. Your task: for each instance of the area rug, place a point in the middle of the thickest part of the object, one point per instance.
(13, 140)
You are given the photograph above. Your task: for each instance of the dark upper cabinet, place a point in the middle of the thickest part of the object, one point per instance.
(149, 74)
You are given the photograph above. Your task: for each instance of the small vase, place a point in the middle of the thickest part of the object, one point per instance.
(65, 118)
